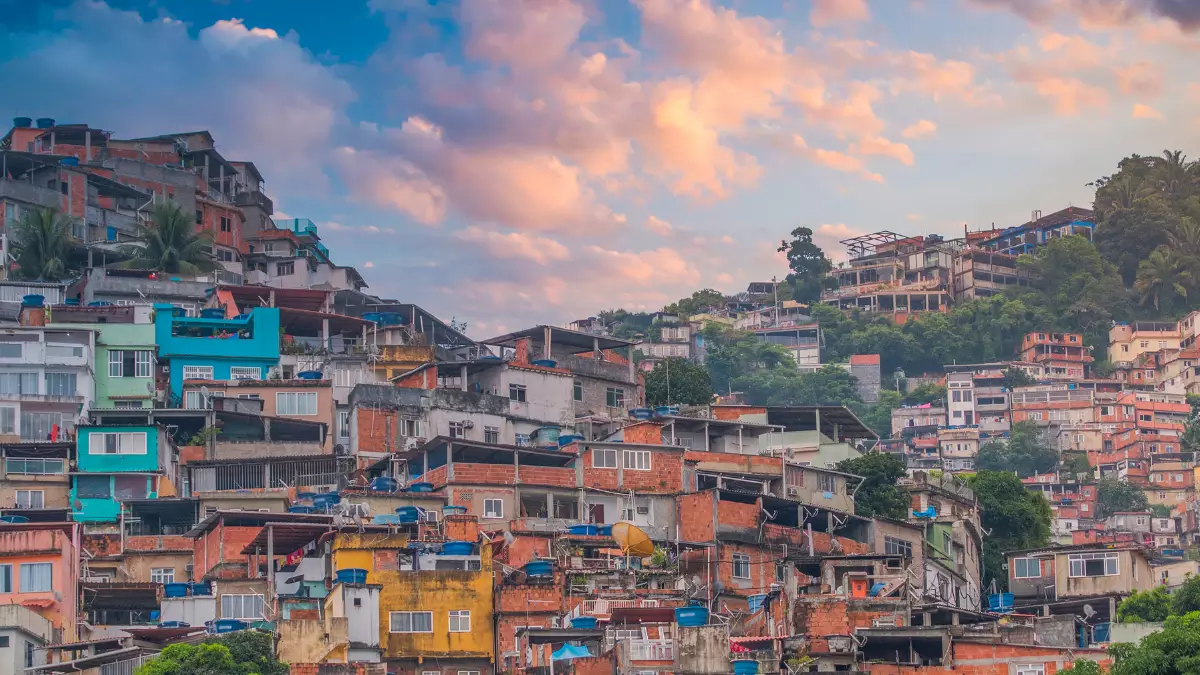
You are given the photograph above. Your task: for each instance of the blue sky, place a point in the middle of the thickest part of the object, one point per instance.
(517, 161)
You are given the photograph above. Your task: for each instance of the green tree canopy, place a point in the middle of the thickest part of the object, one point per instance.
(878, 495)
(1116, 496)
(1013, 517)
(1076, 287)
(240, 653)
(700, 301)
(42, 245)
(733, 353)
(1143, 606)
(878, 415)
(926, 392)
(1174, 650)
(808, 264)
(678, 381)
(171, 244)
(830, 385)
(1025, 453)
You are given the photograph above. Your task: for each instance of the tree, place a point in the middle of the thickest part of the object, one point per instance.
(171, 244)
(1015, 517)
(41, 245)
(878, 415)
(1143, 606)
(698, 302)
(1186, 598)
(1174, 175)
(1015, 377)
(808, 264)
(1160, 510)
(733, 353)
(240, 653)
(830, 385)
(1078, 289)
(1163, 279)
(878, 494)
(926, 392)
(1025, 453)
(1077, 465)
(1082, 667)
(678, 381)
(1174, 650)
(1117, 496)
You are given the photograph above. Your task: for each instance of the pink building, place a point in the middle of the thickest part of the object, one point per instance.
(39, 569)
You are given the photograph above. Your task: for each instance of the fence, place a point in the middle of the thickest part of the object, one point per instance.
(126, 667)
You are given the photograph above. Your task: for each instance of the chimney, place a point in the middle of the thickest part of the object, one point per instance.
(33, 311)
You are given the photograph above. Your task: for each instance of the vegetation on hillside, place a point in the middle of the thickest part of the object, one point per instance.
(1013, 519)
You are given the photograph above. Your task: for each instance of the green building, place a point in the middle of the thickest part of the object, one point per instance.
(125, 352)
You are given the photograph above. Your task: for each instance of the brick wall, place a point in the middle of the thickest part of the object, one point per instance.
(191, 453)
(337, 669)
(422, 379)
(524, 598)
(523, 549)
(480, 474)
(665, 475)
(643, 433)
(604, 479)
(462, 528)
(545, 475)
(102, 544)
(160, 542)
(375, 430)
(696, 522)
(737, 514)
(436, 476)
(733, 413)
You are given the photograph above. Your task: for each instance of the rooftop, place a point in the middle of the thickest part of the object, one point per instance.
(581, 342)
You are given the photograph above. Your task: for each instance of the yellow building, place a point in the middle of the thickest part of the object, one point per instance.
(1128, 341)
(435, 606)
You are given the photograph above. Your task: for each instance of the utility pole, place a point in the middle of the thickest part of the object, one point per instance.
(775, 287)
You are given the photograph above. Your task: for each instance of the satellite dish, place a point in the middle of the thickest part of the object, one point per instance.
(509, 538)
(1088, 612)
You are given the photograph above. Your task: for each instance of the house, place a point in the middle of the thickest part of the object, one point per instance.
(38, 560)
(24, 634)
(818, 435)
(119, 463)
(216, 348)
(124, 351)
(35, 476)
(1069, 577)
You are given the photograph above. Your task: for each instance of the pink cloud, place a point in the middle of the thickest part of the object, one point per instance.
(1143, 78)
(1070, 95)
(825, 12)
(658, 226)
(920, 129)
(526, 34)
(1193, 91)
(1145, 112)
(882, 147)
(852, 115)
(516, 245)
(833, 159)
(1073, 52)
(391, 182)
(938, 79)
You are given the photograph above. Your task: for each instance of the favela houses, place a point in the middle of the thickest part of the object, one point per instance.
(568, 337)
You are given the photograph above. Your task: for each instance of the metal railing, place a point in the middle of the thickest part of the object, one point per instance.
(603, 607)
(126, 667)
(651, 650)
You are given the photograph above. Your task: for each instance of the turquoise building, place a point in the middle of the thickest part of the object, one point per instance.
(244, 347)
(115, 464)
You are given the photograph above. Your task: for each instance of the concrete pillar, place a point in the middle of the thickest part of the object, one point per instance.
(595, 347)
(547, 336)
(87, 146)
(221, 173)
(325, 333)
(707, 446)
(271, 566)
(462, 375)
(206, 171)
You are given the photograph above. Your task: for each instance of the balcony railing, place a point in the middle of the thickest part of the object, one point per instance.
(603, 607)
(301, 345)
(122, 617)
(126, 667)
(651, 650)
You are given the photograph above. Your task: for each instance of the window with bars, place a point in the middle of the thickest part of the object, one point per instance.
(491, 434)
(197, 372)
(344, 424)
(248, 606)
(1094, 564)
(517, 393)
(614, 397)
(245, 373)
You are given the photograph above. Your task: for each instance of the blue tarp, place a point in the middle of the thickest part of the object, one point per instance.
(569, 651)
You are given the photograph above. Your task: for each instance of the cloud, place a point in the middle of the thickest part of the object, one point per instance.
(1143, 78)
(393, 183)
(368, 265)
(525, 34)
(1193, 91)
(515, 245)
(1070, 95)
(852, 115)
(937, 78)
(1102, 13)
(833, 159)
(882, 147)
(1072, 52)
(825, 12)
(920, 129)
(1145, 112)
(914, 217)
(278, 105)
(658, 226)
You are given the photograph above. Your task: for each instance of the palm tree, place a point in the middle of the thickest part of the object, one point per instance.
(1174, 174)
(42, 244)
(1161, 277)
(171, 244)
(1125, 191)
(1185, 238)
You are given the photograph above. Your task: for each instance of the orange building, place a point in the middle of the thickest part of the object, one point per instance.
(1063, 356)
(39, 569)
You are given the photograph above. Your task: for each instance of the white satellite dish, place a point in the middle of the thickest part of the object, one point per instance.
(1088, 611)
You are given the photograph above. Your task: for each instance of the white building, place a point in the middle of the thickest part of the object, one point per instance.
(46, 378)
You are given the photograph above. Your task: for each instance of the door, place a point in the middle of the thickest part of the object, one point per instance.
(596, 514)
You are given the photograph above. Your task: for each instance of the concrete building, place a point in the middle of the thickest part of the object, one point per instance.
(1068, 577)
(115, 464)
(24, 635)
(216, 348)
(37, 561)
(815, 435)
(1040, 230)
(914, 419)
(1128, 341)
(980, 273)
(892, 274)
(46, 378)
(1063, 356)
(125, 351)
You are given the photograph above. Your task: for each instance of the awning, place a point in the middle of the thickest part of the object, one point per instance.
(570, 651)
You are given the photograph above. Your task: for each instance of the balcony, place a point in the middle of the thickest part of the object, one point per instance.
(24, 191)
(126, 667)
(97, 216)
(34, 467)
(315, 346)
(251, 198)
(603, 607)
(651, 650)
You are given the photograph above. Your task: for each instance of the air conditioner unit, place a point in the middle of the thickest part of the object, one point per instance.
(468, 424)
(883, 622)
(429, 516)
(793, 492)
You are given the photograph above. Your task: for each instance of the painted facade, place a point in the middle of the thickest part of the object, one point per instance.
(116, 464)
(216, 349)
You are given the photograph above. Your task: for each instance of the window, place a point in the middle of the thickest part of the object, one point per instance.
(10, 350)
(410, 622)
(827, 482)
(93, 487)
(614, 397)
(296, 403)
(493, 508)
(64, 351)
(604, 458)
(956, 396)
(197, 372)
(6, 579)
(344, 424)
(60, 384)
(895, 546)
(458, 430)
(36, 577)
(18, 383)
(8, 420)
(1031, 669)
(285, 269)
(1144, 344)
(577, 390)
(226, 224)
(162, 575)
(410, 428)
(460, 621)
(1094, 564)
(241, 606)
(741, 566)
(114, 443)
(516, 392)
(31, 499)
(637, 460)
(11, 212)
(245, 373)
(192, 400)
(947, 542)
(1027, 568)
(491, 434)
(3, 641)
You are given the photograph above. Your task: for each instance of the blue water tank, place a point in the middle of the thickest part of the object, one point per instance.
(71, 302)
(587, 530)
(691, 616)
(352, 576)
(23, 122)
(300, 509)
(33, 300)
(69, 161)
(45, 122)
(583, 622)
(212, 313)
(454, 510)
(408, 514)
(174, 624)
(458, 548)
(177, 590)
(545, 363)
(539, 568)
(202, 588)
(745, 667)
(309, 375)
(384, 484)
(421, 487)
(229, 625)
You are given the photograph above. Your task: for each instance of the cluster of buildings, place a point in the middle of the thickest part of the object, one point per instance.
(270, 447)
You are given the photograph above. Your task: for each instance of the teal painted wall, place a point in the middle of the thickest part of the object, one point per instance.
(101, 463)
(260, 350)
(97, 510)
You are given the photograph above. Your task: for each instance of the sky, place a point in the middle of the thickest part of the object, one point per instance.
(512, 162)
